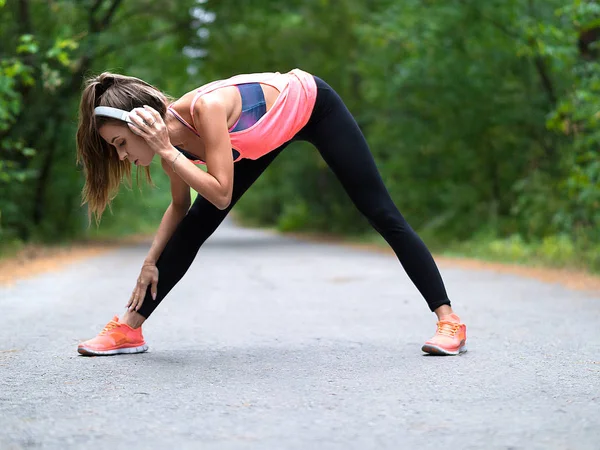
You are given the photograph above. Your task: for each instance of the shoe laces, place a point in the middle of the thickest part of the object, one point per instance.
(448, 328)
(109, 326)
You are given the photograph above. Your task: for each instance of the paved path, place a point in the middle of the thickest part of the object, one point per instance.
(273, 343)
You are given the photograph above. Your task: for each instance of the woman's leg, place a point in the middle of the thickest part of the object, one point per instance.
(200, 222)
(335, 133)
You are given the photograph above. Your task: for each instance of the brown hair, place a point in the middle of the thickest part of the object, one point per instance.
(103, 169)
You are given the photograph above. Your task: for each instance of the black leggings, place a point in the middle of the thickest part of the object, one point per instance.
(335, 133)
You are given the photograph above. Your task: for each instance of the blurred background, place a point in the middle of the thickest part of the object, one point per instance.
(483, 116)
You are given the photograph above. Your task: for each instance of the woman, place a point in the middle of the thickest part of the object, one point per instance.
(236, 127)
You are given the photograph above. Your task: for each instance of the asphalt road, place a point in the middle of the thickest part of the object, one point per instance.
(274, 343)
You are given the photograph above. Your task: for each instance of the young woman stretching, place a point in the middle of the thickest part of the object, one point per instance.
(236, 127)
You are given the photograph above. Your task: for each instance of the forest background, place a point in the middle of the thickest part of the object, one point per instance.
(483, 117)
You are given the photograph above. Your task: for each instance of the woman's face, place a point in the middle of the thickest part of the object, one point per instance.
(127, 144)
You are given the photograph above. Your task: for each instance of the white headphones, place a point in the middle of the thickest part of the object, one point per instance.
(115, 113)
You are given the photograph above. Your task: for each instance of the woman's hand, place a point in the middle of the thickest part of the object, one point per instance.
(150, 126)
(148, 275)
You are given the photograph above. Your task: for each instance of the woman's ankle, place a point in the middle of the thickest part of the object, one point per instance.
(444, 310)
(133, 319)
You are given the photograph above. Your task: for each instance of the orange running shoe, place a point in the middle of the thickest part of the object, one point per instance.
(450, 337)
(114, 339)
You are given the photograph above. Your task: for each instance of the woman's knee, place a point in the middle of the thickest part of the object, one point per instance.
(386, 218)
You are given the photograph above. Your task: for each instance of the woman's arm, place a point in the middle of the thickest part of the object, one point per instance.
(171, 218)
(215, 185)
(176, 211)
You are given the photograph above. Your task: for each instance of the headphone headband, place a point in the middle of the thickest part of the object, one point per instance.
(115, 113)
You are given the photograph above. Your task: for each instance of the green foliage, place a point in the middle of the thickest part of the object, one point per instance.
(14, 150)
(483, 117)
(47, 49)
(554, 251)
(576, 118)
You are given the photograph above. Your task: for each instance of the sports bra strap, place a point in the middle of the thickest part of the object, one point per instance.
(182, 120)
(196, 97)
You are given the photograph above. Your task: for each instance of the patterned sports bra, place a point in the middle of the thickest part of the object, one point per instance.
(254, 107)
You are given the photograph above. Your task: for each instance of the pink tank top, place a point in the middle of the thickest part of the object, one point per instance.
(290, 112)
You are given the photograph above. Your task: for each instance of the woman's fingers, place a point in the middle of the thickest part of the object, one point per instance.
(128, 305)
(144, 122)
(153, 113)
(138, 125)
(140, 294)
(135, 130)
(144, 116)
(134, 297)
(136, 301)
(133, 302)
(154, 288)
(146, 278)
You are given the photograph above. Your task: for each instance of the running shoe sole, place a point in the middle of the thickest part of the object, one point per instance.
(89, 352)
(439, 351)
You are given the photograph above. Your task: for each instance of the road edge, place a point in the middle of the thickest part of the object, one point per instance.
(37, 260)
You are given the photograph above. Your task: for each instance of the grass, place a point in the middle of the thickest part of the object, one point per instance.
(560, 251)
(137, 213)
(10, 247)
(552, 251)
